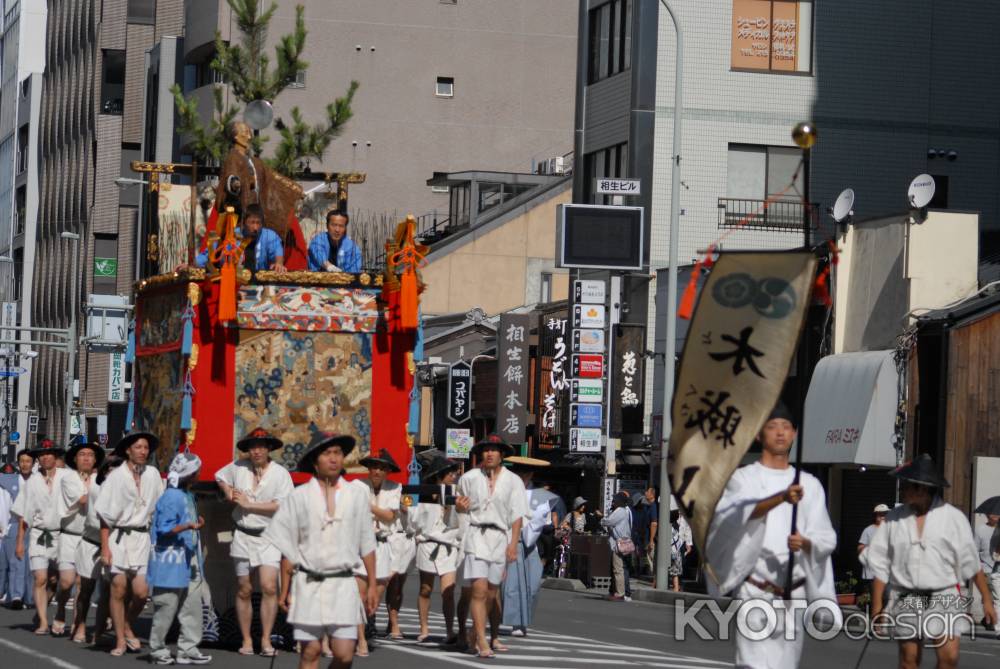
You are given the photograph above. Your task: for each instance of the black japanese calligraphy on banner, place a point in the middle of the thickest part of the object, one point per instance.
(628, 387)
(736, 357)
(514, 372)
(460, 392)
(554, 382)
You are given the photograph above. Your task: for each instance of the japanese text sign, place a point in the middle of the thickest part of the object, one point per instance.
(617, 187)
(588, 341)
(585, 440)
(628, 380)
(512, 384)
(460, 392)
(737, 355)
(588, 365)
(555, 381)
(458, 443)
(116, 378)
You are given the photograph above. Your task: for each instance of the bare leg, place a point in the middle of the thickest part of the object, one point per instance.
(480, 610)
(343, 653)
(41, 577)
(84, 593)
(103, 611)
(268, 578)
(910, 654)
(424, 603)
(448, 602)
(394, 602)
(67, 579)
(309, 658)
(362, 641)
(496, 617)
(244, 610)
(140, 591)
(947, 654)
(119, 586)
(464, 603)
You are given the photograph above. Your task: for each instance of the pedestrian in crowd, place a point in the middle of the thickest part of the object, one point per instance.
(5, 525)
(83, 458)
(646, 514)
(988, 542)
(878, 517)
(256, 486)
(16, 584)
(89, 566)
(323, 530)
(176, 567)
(264, 250)
(749, 545)
(923, 553)
(678, 548)
(39, 508)
(438, 541)
(580, 520)
(385, 498)
(125, 507)
(333, 250)
(523, 579)
(619, 524)
(495, 501)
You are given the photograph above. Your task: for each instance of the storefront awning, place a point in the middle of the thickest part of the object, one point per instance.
(851, 409)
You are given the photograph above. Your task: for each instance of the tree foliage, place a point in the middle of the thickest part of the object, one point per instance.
(247, 69)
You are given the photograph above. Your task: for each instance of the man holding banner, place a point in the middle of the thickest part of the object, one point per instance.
(750, 545)
(736, 359)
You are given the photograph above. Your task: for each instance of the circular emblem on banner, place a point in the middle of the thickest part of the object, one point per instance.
(735, 290)
(775, 298)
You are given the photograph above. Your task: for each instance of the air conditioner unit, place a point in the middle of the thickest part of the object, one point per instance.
(556, 165)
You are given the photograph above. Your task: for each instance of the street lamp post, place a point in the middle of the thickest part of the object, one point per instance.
(71, 345)
(663, 538)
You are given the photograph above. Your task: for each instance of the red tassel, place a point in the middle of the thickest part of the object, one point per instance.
(686, 308)
(409, 302)
(821, 294)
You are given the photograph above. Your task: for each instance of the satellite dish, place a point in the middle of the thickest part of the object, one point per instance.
(258, 114)
(921, 191)
(843, 208)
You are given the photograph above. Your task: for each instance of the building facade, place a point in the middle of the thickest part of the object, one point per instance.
(23, 64)
(90, 131)
(446, 86)
(887, 109)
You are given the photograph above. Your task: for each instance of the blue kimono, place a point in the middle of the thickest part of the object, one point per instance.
(348, 254)
(170, 559)
(268, 248)
(15, 577)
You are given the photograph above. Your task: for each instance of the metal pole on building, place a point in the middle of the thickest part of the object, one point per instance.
(663, 538)
(73, 340)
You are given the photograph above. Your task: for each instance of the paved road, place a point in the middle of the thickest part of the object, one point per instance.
(574, 630)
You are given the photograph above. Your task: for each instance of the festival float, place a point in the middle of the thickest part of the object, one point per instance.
(219, 351)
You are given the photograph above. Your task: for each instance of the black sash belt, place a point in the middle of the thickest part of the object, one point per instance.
(437, 548)
(483, 528)
(71, 533)
(122, 531)
(250, 531)
(774, 588)
(318, 577)
(47, 537)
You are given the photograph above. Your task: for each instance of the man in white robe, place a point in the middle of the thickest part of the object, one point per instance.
(393, 554)
(257, 486)
(924, 554)
(750, 544)
(988, 543)
(39, 508)
(324, 530)
(125, 507)
(495, 501)
(82, 459)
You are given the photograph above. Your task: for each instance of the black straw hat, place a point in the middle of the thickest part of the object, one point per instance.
(132, 437)
(780, 410)
(384, 458)
(493, 441)
(47, 446)
(259, 436)
(79, 446)
(921, 471)
(439, 466)
(319, 443)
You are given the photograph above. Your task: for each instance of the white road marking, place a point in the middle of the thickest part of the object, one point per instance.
(62, 664)
(650, 632)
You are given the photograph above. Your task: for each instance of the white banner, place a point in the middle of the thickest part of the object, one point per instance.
(736, 358)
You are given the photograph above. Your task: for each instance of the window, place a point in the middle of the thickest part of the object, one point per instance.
(128, 195)
(758, 173)
(113, 82)
(610, 43)
(20, 209)
(439, 189)
(22, 148)
(609, 162)
(545, 295)
(772, 35)
(445, 87)
(141, 11)
(18, 275)
(940, 199)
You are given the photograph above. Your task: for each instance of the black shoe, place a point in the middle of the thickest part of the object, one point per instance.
(16, 605)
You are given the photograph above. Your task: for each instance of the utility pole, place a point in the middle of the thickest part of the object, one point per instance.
(73, 342)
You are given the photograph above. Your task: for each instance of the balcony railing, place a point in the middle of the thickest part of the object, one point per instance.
(778, 215)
